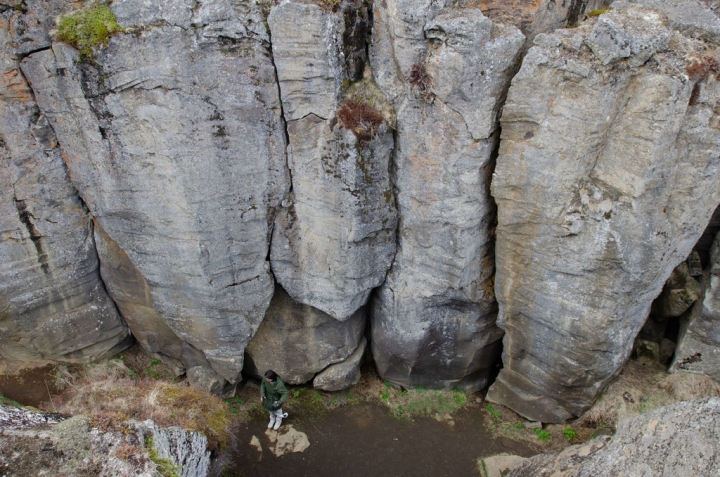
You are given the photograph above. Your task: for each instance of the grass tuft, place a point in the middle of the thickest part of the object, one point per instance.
(542, 435)
(699, 69)
(329, 5)
(421, 81)
(88, 28)
(361, 118)
(569, 434)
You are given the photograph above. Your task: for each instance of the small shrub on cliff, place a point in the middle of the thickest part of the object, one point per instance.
(361, 118)
(330, 5)
(88, 28)
(420, 80)
(700, 68)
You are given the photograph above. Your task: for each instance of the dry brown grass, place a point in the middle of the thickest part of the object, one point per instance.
(361, 118)
(699, 69)
(642, 386)
(421, 81)
(110, 393)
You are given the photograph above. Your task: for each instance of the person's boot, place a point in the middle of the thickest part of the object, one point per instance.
(272, 421)
(278, 421)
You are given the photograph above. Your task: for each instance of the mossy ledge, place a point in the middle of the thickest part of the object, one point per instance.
(88, 28)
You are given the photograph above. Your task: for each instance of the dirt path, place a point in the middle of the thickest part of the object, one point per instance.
(365, 440)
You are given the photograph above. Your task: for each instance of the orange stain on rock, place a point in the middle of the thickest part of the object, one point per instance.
(14, 87)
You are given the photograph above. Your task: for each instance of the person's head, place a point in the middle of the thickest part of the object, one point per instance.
(270, 375)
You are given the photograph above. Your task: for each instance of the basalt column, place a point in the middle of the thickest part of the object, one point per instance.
(446, 70)
(606, 178)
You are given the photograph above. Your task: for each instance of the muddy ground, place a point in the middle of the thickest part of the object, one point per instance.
(365, 439)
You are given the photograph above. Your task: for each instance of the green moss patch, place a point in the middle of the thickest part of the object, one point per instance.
(88, 28)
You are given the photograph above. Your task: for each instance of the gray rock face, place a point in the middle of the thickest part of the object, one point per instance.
(342, 375)
(131, 294)
(179, 154)
(297, 341)
(433, 320)
(669, 441)
(698, 349)
(334, 241)
(605, 180)
(552, 15)
(187, 449)
(52, 301)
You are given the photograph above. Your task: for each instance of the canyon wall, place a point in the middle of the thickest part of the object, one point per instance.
(298, 185)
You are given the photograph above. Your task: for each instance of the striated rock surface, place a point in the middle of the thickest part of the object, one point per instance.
(52, 301)
(446, 71)
(175, 141)
(605, 180)
(297, 341)
(698, 349)
(342, 375)
(335, 238)
(131, 294)
(669, 441)
(187, 449)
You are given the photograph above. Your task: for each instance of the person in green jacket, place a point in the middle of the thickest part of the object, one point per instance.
(273, 394)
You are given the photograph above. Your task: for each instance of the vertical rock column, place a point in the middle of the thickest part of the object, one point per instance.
(606, 178)
(52, 301)
(335, 239)
(446, 71)
(335, 236)
(176, 142)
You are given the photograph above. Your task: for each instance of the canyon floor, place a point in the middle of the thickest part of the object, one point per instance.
(364, 439)
(372, 428)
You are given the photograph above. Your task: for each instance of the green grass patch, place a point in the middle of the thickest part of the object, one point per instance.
(494, 413)
(88, 28)
(9, 402)
(569, 434)
(420, 402)
(542, 435)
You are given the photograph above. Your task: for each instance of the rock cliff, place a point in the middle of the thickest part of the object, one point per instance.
(439, 181)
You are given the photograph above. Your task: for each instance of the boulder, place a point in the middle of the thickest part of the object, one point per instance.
(680, 439)
(342, 375)
(175, 140)
(298, 341)
(679, 292)
(334, 239)
(698, 347)
(446, 71)
(52, 301)
(605, 180)
(499, 465)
